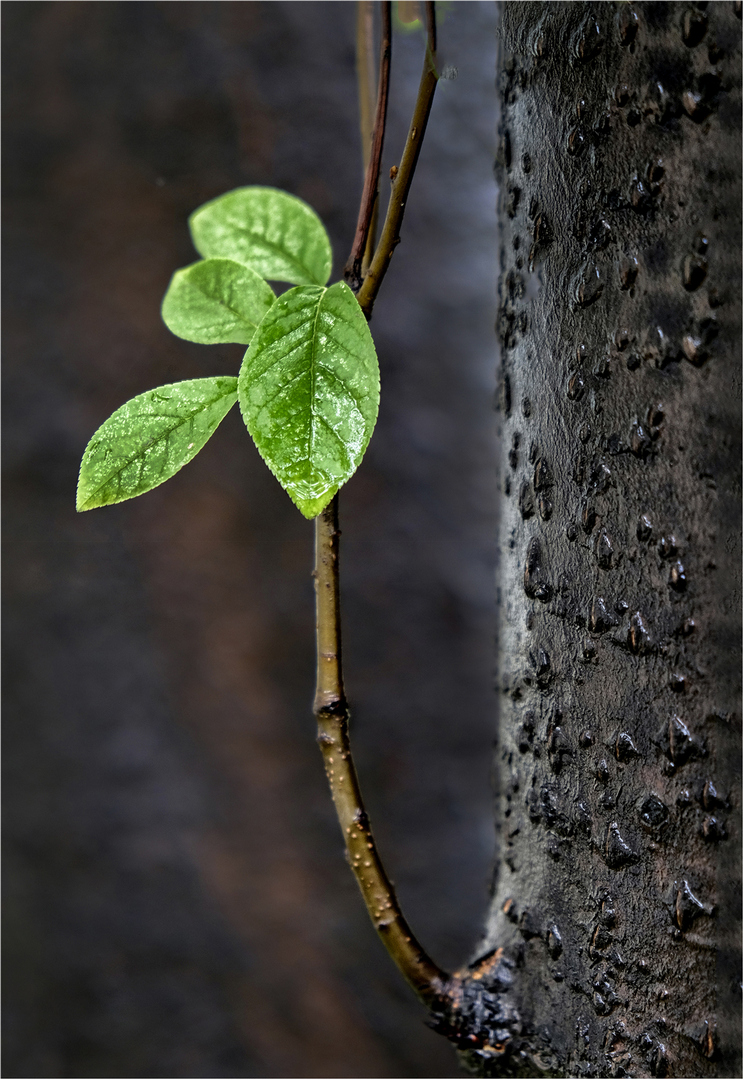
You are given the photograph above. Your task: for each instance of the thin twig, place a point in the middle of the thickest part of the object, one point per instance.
(390, 237)
(430, 983)
(353, 269)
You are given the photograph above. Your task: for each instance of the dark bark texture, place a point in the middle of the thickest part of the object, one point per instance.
(616, 913)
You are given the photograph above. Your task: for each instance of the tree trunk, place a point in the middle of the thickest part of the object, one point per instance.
(615, 915)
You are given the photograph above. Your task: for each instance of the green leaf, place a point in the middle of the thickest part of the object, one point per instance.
(150, 438)
(277, 235)
(216, 300)
(309, 390)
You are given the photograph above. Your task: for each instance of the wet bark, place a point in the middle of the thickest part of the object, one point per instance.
(615, 914)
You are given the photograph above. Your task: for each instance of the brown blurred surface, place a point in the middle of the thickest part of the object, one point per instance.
(177, 903)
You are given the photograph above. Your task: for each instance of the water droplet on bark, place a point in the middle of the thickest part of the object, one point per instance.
(712, 831)
(710, 797)
(680, 744)
(694, 272)
(600, 619)
(602, 368)
(617, 851)
(600, 235)
(667, 546)
(526, 502)
(657, 1060)
(599, 1003)
(709, 1039)
(601, 940)
(694, 27)
(625, 748)
(541, 662)
(638, 635)
(640, 440)
(554, 941)
(588, 285)
(655, 170)
(622, 339)
(543, 475)
(535, 585)
(557, 747)
(677, 577)
(653, 812)
(644, 529)
(695, 105)
(541, 230)
(599, 479)
(694, 350)
(655, 418)
(575, 141)
(627, 25)
(687, 907)
(655, 346)
(628, 271)
(603, 549)
(587, 40)
(608, 912)
(575, 387)
(640, 197)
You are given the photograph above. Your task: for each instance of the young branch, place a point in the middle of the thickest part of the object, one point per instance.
(390, 237)
(353, 269)
(332, 714)
(433, 986)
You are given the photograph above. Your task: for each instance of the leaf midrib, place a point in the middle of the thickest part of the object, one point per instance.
(313, 413)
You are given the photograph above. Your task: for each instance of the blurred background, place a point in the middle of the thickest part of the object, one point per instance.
(177, 903)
